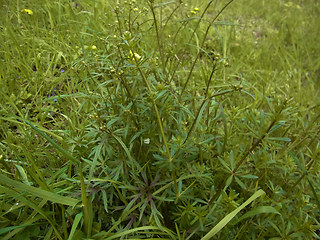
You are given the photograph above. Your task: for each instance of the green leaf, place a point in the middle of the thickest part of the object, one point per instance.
(258, 210)
(8, 229)
(124, 233)
(241, 184)
(54, 144)
(224, 164)
(231, 159)
(23, 174)
(24, 200)
(37, 192)
(132, 161)
(231, 215)
(229, 181)
(249, 176)
(310, 183)
(74, 225)
(283, 139)
(97, 154)
(199, 116)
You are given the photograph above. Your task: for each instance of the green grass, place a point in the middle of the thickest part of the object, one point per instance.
(159, 119)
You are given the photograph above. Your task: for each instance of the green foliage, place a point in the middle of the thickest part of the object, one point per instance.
(159, 120)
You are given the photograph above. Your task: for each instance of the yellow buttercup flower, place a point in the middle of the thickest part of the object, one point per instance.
(134, 56)
(93, 47)
(28, 11)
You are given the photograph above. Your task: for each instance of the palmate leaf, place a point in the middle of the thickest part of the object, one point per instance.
(308, 178)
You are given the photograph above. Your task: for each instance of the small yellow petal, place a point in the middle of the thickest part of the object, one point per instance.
(28, 11)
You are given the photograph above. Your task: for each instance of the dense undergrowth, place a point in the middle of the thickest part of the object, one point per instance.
(159, 120)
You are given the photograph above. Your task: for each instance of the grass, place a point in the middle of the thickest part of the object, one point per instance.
(159, 120)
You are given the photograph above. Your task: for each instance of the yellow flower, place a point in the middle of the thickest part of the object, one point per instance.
(28, 11)
(196, 9)
(134, 56)
(93, 47)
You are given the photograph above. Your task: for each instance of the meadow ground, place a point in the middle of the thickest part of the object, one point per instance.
(159, 119)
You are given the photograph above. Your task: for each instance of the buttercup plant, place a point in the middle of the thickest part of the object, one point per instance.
(157, 119)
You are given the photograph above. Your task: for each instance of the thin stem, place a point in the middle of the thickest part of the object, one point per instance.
(158, 39)
(189, 41)
(154, 106)
(86, 211)
(201, 46)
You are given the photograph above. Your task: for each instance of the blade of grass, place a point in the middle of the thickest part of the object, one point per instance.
(231, 215)
(75, 224)
(8, 229)
(49, 196)
(54, 144)
(18, 196)
(19, 228)
(121, 234)
(258, 210)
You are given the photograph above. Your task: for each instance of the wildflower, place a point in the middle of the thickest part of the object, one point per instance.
(28, 11)
(193, 12)
(127, 35)
(136, 9)
(112, 69)
(196, 9)
(134, 56)
(146, 141)
(62, 70)
(93, 47)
